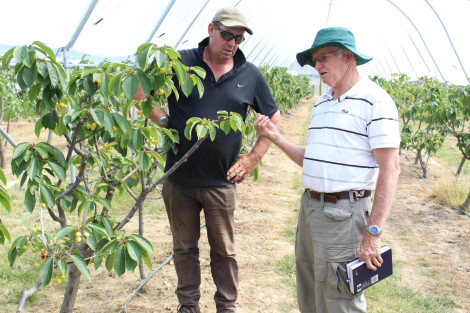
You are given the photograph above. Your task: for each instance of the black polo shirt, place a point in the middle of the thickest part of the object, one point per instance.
(241, 87)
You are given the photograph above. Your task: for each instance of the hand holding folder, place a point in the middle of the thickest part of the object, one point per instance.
(360, 277)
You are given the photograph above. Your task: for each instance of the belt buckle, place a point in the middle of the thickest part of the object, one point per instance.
(358, 194)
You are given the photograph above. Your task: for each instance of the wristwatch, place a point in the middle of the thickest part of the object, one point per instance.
(374, 230)
(163, 121)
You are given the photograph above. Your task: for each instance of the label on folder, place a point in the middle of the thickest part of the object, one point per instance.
(360, 277)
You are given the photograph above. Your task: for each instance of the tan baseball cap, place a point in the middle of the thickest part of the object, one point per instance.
(231, 17)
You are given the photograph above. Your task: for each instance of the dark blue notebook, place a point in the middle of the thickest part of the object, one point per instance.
(360, 277)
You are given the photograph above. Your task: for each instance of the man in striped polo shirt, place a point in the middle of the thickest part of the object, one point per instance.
(351, 149)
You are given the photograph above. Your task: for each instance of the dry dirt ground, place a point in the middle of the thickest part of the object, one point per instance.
(431, 246)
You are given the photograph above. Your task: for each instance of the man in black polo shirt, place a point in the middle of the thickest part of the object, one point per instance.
(207, 180)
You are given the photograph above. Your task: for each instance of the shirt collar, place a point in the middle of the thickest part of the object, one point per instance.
(350, 92)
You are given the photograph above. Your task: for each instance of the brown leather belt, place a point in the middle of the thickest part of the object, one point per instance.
(335, 196)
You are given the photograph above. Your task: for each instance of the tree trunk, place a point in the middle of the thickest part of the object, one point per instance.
(459, 170)
(2, 155)
(466, 205)
(72, 289)
(141, 232)
(49, 136)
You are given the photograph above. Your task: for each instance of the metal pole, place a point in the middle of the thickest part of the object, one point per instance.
(191, 24)
(450, 40)
(81, 25)
(160, 21)
(409, 61)
(7, 137)
(419, 52)
(416, 28)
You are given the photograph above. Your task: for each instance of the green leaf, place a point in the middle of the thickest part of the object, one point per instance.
(80, 264)
(53, 75)
(5, 199)
(137, 139)
(144, 161)
(20, 243)
(47, 196)
(30, 75)
(6, 58)
(29, 201)
(160, 57)
(187, 86)
(33, 92)
(58, 170)
(45, 50)
(130, 263)
(200, 87)
(62, 266)
(144, 82)
(20, 53)
(98, 118)
(121, 121)
(45, 272)
(63, 231)
(20, 149)
(109, 262)
(120, 261)
(4, 230)
(104, 86)
(12, 253)
(212, 131)
(142, 55)
(134, 250)
(130, 86)
(146, 107)
(147, 260)
(2, 177)
(33, 168)
(91, 242)
(104, 203)
(101, 230)
(199, 71)
(201, 131)
(108, 122)
(143, 243)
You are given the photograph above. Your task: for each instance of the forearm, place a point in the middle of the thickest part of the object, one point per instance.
(294, 152)
(262, 143)
(383, 198)
(157, 113)
(389, 170)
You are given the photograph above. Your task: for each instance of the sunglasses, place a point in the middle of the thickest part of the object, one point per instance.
(322, 58)
(229, 36)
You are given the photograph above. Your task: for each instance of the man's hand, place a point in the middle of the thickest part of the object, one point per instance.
(245, 164)
(369, 252)
(265, 127)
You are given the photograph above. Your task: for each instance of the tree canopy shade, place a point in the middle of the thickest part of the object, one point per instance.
(415, 37)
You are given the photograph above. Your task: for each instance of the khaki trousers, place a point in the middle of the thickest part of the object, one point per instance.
(183, 205)
(328, 236)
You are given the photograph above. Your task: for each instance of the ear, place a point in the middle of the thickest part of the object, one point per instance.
(349, 55)
(210, 29)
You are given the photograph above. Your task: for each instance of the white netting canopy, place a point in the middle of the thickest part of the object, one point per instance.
(415, 37)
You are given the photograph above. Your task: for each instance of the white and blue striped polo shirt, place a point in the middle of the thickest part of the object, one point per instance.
(342, 134)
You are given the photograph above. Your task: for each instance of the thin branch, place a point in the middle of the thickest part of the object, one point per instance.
(25, 294)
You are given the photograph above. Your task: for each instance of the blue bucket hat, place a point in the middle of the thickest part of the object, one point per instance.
(336, 37)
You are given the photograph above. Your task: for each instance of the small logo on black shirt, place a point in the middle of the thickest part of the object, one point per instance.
(240, 85)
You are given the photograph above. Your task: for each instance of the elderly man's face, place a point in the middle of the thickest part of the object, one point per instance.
(330, 64)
